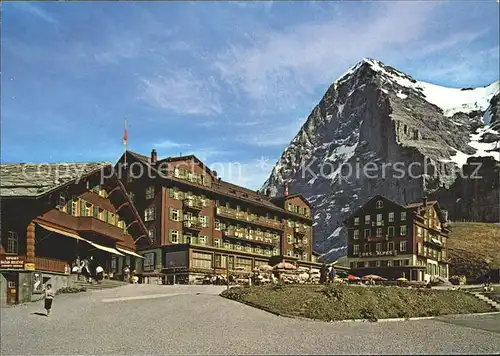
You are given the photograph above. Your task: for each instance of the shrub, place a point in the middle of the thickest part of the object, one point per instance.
(66, 290)
(335, 292)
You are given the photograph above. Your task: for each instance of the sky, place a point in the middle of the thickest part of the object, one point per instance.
(231, 82)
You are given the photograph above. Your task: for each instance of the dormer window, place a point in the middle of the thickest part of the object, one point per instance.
(379, 204)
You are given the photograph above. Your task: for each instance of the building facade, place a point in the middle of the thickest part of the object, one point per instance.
(394, 241)
(202, 225)
(53, 213)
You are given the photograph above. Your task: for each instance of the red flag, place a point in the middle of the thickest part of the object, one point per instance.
(125, 136)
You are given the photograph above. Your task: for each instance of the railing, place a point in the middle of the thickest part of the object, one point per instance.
(193, 203)
(377, 238)
(232, 234)
(51, 265)
(299, 246)
(242, 216)
(299, 230)
(192, 224)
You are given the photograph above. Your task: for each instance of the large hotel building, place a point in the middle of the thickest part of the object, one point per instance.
(201, 224)
(394, 241)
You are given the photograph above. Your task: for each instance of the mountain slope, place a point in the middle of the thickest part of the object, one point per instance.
(367, 130)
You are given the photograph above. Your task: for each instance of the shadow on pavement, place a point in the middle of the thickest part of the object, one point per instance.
(39, 314)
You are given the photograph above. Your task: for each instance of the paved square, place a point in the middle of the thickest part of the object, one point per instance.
(152, 319)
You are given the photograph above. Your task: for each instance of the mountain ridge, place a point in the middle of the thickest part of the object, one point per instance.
(375, 113)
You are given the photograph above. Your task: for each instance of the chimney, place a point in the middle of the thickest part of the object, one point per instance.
(153, 156)
(286, 189)
(424, 201)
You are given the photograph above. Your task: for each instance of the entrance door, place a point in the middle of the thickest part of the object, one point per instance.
(11, 288)
(413, 275)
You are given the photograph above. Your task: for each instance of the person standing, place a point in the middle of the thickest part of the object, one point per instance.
(126, 274)
(331, 274)
(99, 273)
(49, 298)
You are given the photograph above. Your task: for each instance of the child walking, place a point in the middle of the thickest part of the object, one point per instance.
(49, 297)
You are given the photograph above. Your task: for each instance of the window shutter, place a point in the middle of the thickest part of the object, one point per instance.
(96, 212)
(170, 214)
(82, 207)
(171, 192)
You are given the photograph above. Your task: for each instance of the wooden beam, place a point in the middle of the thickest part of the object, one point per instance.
(121, 206)
(132, 223)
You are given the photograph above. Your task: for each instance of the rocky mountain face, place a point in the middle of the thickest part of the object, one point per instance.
(379, 131)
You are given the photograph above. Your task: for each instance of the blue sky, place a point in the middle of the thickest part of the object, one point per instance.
(230, 82)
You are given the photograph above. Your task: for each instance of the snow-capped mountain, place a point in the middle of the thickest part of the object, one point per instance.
(365, 133)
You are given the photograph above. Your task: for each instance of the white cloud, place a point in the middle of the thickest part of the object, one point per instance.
(271, 133)
(183, 93)
(282, 67)
(36, 11)
(170, 144)
(248, 174)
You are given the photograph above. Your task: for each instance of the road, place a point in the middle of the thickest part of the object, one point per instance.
(154, 319)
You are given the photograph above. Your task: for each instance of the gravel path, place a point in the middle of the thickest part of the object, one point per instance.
(151, 319)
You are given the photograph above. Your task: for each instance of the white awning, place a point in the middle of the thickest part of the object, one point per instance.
(105, 248)
(62, 232)
(131, 253)
(436, 241)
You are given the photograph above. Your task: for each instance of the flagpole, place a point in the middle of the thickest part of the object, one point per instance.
(125, 138)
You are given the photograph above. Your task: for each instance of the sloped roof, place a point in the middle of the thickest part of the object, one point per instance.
(35, 179)
(419, 204)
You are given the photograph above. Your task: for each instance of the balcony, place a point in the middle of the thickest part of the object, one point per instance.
(243, 216)
(193, 204)
(378, 253)
(299, 230)
(91, 224)
(299, 246)
(380, 223)
(192, 225)
(231, 234)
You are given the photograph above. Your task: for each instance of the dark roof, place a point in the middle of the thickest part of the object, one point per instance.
(220, 185)
(33, 180)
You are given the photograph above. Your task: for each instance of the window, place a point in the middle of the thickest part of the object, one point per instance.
(176, 172)
(356, 221)
(367, 219)
(419, 248)
(356, 234)
(152, 234)
(367, 264)
(367, 248)
(379, 232)
(62, 200)
(402, 230)
(289, 238)
(391, 231)
(378, 247)
(304, 256)
(202, 240)
(390, 246)
(149, 261)
(174, 214)
(419, 231)
(406, 262)
(367, 233)
(379, 218)
(217, 225)
(174, 236)
(391, 217)
(403, 216)
(380, 204)
(377, 263)
(220, 261)
(12, 242)
(150, 192)
(402, 246)
(204, 220)
(201, 260)
(149, 214)
(396, 263)
(389, 263)
(289, 253)
(217, 243)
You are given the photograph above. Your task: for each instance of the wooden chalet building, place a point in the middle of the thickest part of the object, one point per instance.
(393, 240)
(52, 213)
(202, 225)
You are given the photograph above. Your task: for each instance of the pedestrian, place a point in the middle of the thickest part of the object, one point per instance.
(49, 297)
(331, 274)
(99, 273)
(126, 274)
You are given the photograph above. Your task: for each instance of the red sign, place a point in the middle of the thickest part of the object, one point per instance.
(12, 262)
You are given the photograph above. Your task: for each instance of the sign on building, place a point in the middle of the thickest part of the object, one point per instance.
(12, 262)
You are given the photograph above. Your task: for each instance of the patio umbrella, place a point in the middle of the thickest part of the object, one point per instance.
(352, 278)
(342, 274)
(374, 277)
(401, 279)
(266, 268)
(284, 265)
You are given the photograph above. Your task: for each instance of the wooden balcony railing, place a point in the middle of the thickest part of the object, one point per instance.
(193, 204)
(51, 265)
(232, 234)
(193, 225)
(243, 216)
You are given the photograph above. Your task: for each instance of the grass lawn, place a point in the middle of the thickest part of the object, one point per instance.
(356, 302)
(473, 248)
